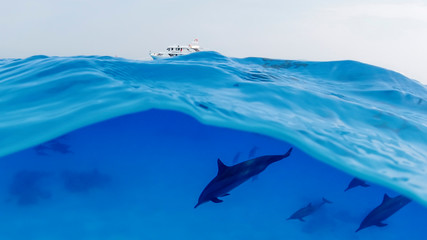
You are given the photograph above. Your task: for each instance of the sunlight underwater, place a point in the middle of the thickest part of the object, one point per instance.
(365, 120)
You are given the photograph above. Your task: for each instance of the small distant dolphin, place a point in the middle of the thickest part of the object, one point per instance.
(355, 182)
(387, 208)
(307, 210)
(229, 177)
(253, 151)
(236, 157)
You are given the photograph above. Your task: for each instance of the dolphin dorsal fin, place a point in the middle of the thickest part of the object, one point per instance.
(386, 198)
(221, 167)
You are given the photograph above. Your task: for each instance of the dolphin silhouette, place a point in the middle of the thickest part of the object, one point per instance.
(387, 208)
(253, 151)
(229, 177)
(236, 157)
(355, 182)
(307, 210)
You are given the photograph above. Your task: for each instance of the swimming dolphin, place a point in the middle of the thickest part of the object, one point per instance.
(229, 177)
(307, 210)
(236, 157)
(253, 151)
(387, 208)
(355, 182)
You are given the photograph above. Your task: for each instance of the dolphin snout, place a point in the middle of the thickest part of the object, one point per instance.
(199, 203)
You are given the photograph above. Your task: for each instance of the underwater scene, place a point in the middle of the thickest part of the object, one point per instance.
(210, 147)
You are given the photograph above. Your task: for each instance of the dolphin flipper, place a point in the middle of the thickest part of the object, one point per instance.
(301, 219)
(216, 200)
(380, 224)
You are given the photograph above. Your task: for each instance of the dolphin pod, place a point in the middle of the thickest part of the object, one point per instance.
(388, 207)
(229, 177)
(308, 210)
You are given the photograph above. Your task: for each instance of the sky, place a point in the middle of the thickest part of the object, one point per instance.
(386, 33)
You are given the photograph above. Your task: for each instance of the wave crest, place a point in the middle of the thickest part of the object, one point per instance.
(365, 120)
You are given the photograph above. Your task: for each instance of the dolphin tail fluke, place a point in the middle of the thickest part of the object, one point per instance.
(326, 200)
(276, 158)
(287, 153)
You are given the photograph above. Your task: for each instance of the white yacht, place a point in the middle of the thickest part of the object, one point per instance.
(177, 50)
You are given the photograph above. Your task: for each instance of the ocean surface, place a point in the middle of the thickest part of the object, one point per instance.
(95, 147)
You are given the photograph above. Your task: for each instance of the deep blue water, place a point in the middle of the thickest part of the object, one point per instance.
(139, 175)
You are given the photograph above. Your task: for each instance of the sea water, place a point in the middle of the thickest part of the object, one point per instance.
(70, 173)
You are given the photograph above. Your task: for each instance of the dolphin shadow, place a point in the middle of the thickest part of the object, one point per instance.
(26, 189)
(81, 182)
(56, 145)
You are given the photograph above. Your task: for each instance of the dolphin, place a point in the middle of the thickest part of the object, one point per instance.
(253, 151)
(236, 157)
(387, 208)
(229, 177)
(307, 210)
(355, 182)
